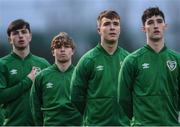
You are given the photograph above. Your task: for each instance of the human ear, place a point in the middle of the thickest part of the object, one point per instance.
(98, 29)
(10, 41)
(143, 29)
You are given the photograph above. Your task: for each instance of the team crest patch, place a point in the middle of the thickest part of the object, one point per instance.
(38, 70)
(171, 65)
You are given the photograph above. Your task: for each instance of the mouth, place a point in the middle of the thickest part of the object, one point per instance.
(156, 31)
(112, 34)
(21, 41)
(63, 55)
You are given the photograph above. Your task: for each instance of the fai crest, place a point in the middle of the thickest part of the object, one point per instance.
(171, 65)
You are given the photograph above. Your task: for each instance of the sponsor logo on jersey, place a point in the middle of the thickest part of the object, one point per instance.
(171, 64)
(49, 85)
(100, 68)
(145, 65)
(13, 72)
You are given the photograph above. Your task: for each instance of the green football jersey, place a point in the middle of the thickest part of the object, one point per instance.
(149, 87)
(94, 86)
(15, 87)
(50, 99)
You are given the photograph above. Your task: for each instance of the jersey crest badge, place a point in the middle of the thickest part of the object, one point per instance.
(38, 70)
(171, 65)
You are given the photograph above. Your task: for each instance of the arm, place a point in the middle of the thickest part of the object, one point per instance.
(10, 93)
(79, 84)
(125, 86)
(36, 102)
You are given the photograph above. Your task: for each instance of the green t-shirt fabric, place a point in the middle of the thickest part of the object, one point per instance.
(149, 85)
(15, 87)
(94, 86)
(50, 99)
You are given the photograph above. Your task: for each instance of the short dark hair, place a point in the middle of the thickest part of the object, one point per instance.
(148, 13)
(62, 39)
(110, 14)
(17, 24)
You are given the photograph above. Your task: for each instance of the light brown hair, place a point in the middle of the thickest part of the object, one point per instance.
(110, 14)
(62, 39)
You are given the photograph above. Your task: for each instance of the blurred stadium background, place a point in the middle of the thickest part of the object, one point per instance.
(78, 18)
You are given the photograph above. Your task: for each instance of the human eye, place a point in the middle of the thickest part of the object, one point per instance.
(106, 23)
(150, 22)
(15, 32)
(116, 23)
(24, 31)
(67, 46)
(160, 21)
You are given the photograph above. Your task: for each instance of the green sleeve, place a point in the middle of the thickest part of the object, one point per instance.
(125, 82)
(79, 84)
(36, 101)
(10, 93)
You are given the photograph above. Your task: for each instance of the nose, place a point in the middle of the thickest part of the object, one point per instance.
(20, 34)
(112, 26)
(62, 48)
(155, 24)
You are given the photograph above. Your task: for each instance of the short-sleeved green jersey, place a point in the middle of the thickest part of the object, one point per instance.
(15, 87)
(149, 87)
(50, 98)
(94, 86)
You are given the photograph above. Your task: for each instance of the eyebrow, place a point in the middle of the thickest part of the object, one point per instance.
(155, 19)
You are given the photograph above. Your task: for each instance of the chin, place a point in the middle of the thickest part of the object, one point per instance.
(63, 60)
(111, 41)
(21, 48)
(156, 39)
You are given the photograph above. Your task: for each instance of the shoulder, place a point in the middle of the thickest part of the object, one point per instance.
(123, 51)
(173, 53)
(40, 59)
(93, 53)
(46, 71)
(7, 59)
(89, 56)
(137, 53)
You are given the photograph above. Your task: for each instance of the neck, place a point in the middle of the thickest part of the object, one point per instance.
(63, 66)
(21, 53)
(156, 45)
(110, 48)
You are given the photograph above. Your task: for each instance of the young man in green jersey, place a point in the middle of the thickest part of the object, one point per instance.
(95, 79)
(51, 105)
(17, 72)
(149, 78)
